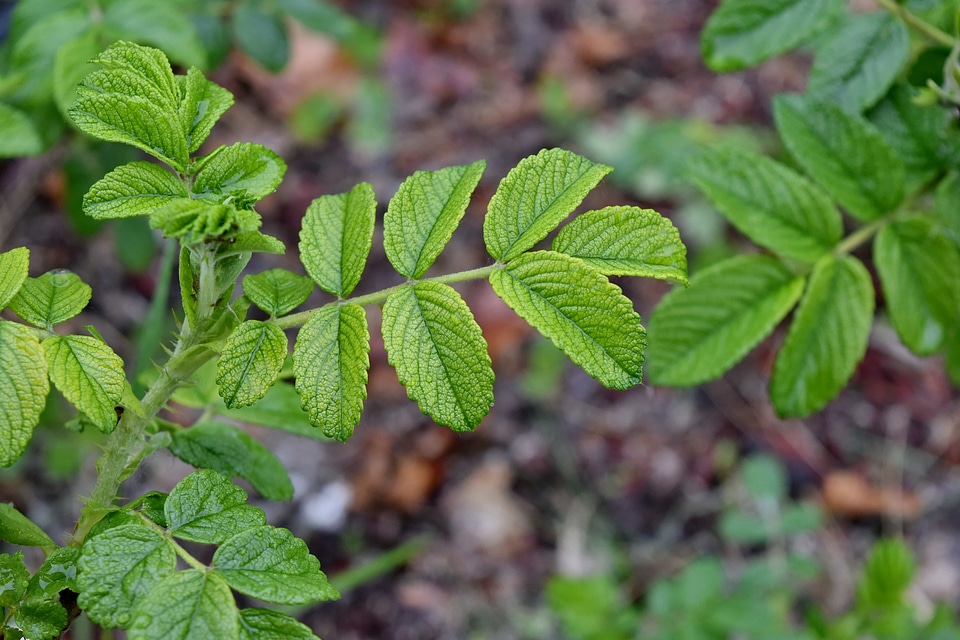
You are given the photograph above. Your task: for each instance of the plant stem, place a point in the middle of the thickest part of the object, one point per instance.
(913, 21)
(860, 236)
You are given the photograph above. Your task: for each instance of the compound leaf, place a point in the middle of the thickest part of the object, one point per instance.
(241, 174)
(626, 241)
(224, 448)
(336, 237)
(14, 268)
(919, 271)
(439, 353)
(160, 24)
(699, 332)
(133, 189)
(194, 221)
(250, 362)
(202, 104)
(330, 363)
(206, 507)
(741, 33)
(118, 567)
(277, 291)
(52, 298)
(264, 624)
(89, 374)
(17, 528)
(844, 153)
(24, 387)
(189, 605)
(827, 338)
(18, 134)
(272, 565)
(769, 203)
(535, 197)
(584, 314)
(13, 578)
(424, 213)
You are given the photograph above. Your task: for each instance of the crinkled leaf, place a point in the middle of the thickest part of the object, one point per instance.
(264, 624)
(201, 105)
(89, 374)
(40, 619)
(118, 568)
(133, 189)
(17, 528)
(250, 362)
(769, 203)
(827, 338)
(336, 237)
(262, 36)
(844, 153)
(14, 268)
(741, 33)
(270, 564)
(24, 387)
(439, 353)
(250, 242)
(919, 270)
(626, 241)
(698, 333)
(193, 221)
(52, 298)
(330, 362)
(160, 24)
(860, 62)
(206, 507)
(424, 213)
(18, 134)
(189, 605)
(71, 64)
(535, 197)
(241, 174)
(151, 504)
(582, 312)
(13, 578)
(58, 572)
(224, 448)
(149, 64)
(277, 291)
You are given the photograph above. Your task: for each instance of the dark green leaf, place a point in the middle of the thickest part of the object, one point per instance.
(14, 268)
(18, 134)
(133, 189)
(241, 174)
(206, 507)
(71, 65)
(13, 578)
(89, 374)
(40, 619)
(264, 624)
(24, 387)
(58, 572)
(33, 54)
(277, 291)
(52, 298)
(16, 528)
(189, 605)
(159, 24)
(250, 362)
(262, 36)
(946, 207)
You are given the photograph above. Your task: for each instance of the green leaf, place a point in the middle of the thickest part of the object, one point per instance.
(279, 409)
(18, 134)
(189, 605)
(336, 237)
(14, 268)
(134, 189)
(16, 528)
(439, 353)
(844, 153)
(946, 208)
(24, 387)
(330, 363)
(860, 62)
(827, 338)
(251, 361)
(202, 105)
(585, 315)
(40, 619)
(262, 36)
(195, 221)
(535, 197)
(919, 271)
(159, 24)
(241, 174)
(698, 333)
(224, 448)
(151, 504)
(764, 477)
(71, 65)
(423, 215)
(118, 568)
(13, 578)
(52, 298)
(277, 291)
(89, 374)
(626, 241)
(270, 564)
(741, 33)
(58, 572)
(951, 357)
(769, 203)
(206, 507)
(886, 575)
(249, 242)
(264, 624)
(34, 53)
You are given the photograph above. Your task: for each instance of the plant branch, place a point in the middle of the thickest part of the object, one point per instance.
(913, 21)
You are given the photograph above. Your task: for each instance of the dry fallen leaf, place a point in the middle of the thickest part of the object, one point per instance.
(848, 493)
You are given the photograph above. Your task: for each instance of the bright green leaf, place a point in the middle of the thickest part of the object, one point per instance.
(535, 197)
(18, 134)
(250, 362)
(249, 242)
(919, 270)
(423, 214)
(330, 362)
(439, 353)
(16, 528)
(13, 578)
(769, 203)
(741, 33)
(270, 564)
(264, 624)
(336, 237)
(698, 333)
(89, 374)
(189, 605)
(241, 174)
(626, 241)
(827, 338)
(844, 153)
(201, 105)
(71, 65)
(159, 24)
(118, 568)
(133, 189)
(14, 268)
(194, 221)
(224, 448)
(262, 36)
(277, 291)
(52, 298)
(24, 387)
(40, 619)
(887, 573)
(583, 313)
(206, 507)
(860, 62)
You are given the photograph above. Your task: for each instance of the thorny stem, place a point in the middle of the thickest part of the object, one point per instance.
(913, 21)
